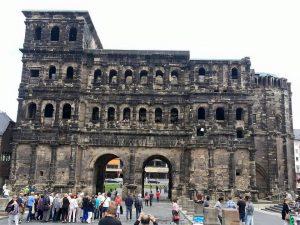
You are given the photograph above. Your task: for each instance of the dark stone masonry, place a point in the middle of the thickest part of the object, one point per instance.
(218, 124)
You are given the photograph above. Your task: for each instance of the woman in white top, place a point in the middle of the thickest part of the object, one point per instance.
(72, 209)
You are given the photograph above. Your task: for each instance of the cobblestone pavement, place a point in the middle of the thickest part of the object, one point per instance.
(162, 211)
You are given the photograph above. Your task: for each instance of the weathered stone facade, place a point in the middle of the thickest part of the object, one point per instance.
(217, 123)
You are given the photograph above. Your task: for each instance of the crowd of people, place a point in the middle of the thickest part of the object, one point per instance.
(74, 207)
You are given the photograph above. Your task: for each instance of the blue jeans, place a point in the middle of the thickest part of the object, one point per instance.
(85, 215)
(30, 215)
(138, 212)
(129, 211)
(249, 219)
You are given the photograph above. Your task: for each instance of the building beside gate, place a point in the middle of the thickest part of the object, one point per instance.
(218, 124)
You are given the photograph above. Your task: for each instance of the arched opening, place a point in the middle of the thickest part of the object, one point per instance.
(126, 114)
(108, 174)
(220, 115)
(240, 133)
(202, 71)
(49, 111)
(174, 77)
(97, 75)
(55, 34)
(128, 76)
(239, 114)
(52, 72)
(159, 77)
(111, 114)
(261, 181)
(157, 176)
(73, 34)
(38, 33)
(158, 115)
(31, 110)
(234, 73)
(113, 76)
(143, 76)
(67, 111)
(142, 115)
(70, 73)
(95, 114)
(201, 113)
(174, 115)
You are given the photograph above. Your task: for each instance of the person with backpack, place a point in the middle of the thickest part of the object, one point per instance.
(151, 196)
(128, 204)
(12, 210)
(46, 208)
(138, 204)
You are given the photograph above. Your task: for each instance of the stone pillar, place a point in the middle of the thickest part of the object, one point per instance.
(13, 166)
(185, 164)
(252, 169)
(231, 170)
(72, 165)
(211, 174)
(52, 163)
(57, 108)
(32, 169)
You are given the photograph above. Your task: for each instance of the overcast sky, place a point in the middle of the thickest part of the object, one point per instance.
(268, 31)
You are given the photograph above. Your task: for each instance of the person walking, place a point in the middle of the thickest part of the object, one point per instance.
(40, 207)
(110, 216)
(219, 207)
(97, 207)
(285, 212)
(56, 208)
(175, 212)
(230, 203)
(106, 202)
(157, 195)
(12, 210)
(249, 211)
(46, 208)
(151, 196)
(206, 201)
(90, 210)
(138, 204)
(30, 206)
(128, 204)
(146, 197)
(118, 201)
(241, 207)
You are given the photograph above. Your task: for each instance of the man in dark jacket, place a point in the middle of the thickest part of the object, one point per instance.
(110, 216)
(138, 203)
(128, 204)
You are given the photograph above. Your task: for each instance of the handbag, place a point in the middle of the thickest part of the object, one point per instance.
(176, 217)
(287, 217)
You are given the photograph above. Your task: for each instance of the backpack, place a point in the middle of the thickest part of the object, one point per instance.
(10, 207)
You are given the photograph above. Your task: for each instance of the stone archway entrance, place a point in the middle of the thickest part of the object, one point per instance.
(102, 171)
(168, 175)
(261, 181)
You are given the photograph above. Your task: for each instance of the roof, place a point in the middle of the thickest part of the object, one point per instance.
(71, 13)
(263, 74)
(297, 134)
(4, 122)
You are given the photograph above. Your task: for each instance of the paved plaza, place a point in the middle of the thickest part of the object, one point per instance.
(162, 211)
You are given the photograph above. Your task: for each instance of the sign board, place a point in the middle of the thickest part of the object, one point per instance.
(198, 220)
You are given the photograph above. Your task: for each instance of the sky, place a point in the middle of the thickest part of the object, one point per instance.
(267, 31)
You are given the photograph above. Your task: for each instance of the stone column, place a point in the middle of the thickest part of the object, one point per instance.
(13, 166)
(72, 165)
(32, 169)
(185, 165)
(252, 168)
(57, 108)
(231, 170)
(52, 163)
(211, 174)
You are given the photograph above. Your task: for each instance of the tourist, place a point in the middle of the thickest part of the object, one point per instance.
(118, 201)
(230, 203)
(241, 207)
(157, 195)
(106, 202)
(175, 212)
(138, 204)
(145, 220)
(21, 202)
(79, 211)
(146, 197)
(110, 216)
(151, 196)
(51, 197)
(46, 207)
(40, 207)
(285, 213)
(12, 209)
(199, 198)
(249, 211)
(72, 209)
(65, 208)
(30, 206)
(102, 199)
(206, 201)
(90, 210)
(219, 207)
(97, 206)
(128, 204)
(56, 208)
